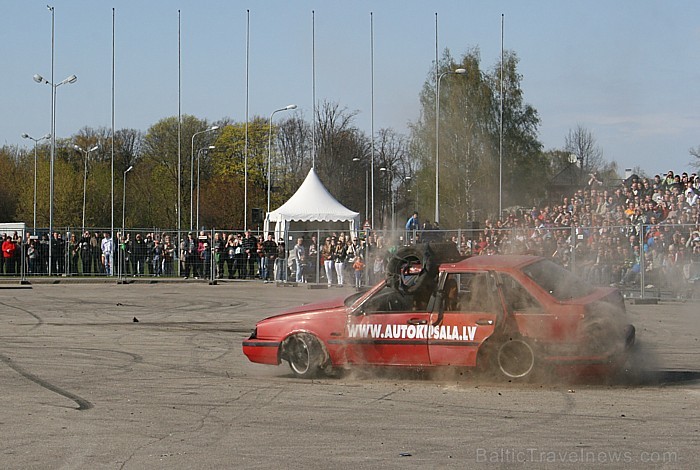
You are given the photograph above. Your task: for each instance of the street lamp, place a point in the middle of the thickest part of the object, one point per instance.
(46, 137)
(367, 217)
(269, 149)
(199, 152)
(124, 199)
(86, 154)
(212, 128)
(459, 71)
(39, 79)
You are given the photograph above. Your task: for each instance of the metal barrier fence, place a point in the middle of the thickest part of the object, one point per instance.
(645, 260)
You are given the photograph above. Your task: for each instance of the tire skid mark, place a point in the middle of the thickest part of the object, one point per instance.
(39, 320)
(82, 403)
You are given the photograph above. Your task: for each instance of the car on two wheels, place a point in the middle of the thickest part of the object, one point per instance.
(514, 316)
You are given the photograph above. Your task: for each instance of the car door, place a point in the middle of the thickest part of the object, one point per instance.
(530, 317)
(386, 330)
(468, 313)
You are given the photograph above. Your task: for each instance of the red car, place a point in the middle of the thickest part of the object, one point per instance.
(513, 315)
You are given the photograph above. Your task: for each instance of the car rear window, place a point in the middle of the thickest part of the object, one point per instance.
(560, 283)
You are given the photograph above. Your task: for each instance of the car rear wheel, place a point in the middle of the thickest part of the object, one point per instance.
(516, 358)
(305, 355)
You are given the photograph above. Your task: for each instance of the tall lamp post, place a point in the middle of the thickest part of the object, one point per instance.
(390, 189)
(39, 79)
(269, 150)
(212, 128)
(199, 153)
(131, 167)
(86, 154)
(367, 216)
(459, 71)
(46, 137)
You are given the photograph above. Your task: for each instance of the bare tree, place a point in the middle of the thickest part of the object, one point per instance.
(581, 143)
(695, 152)
(294, 143)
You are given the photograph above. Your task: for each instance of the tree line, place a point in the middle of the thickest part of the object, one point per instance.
(475, 107)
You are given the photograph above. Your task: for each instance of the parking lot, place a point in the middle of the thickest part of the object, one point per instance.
(152, 376)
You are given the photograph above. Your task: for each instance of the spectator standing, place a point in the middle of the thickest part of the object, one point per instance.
(8, 251)
(230, 254)
(300, 259)
(31, 257)
(412, 223)
(74, 254)
(280, 261)
(190, 256)
(85, 253)
(218, 246)
(157, 258)
(241, 260)
(107, 248)
(95, 254)
(358, 267)
(202, 246)
(327, 257)
(2, 256)
(168, 256)
(250, 248)
(139, 254)
(43, 249)
(269, 248)
(339, 255)
(58, 254)
(205, 257)
(17, 257)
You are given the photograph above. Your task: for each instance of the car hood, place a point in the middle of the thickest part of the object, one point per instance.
(322, 306)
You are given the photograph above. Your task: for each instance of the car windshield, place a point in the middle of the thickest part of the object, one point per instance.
(560, 283)
(353, 298)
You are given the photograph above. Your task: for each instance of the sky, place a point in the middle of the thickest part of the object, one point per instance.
(626, 70)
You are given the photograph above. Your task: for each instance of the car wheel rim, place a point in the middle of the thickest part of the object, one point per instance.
(516, 358)
(299, 356)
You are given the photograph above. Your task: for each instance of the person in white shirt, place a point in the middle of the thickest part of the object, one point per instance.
(107, 250)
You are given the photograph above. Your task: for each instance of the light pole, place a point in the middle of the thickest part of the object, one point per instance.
(386, 171)
(199, 153)
(269, 150)
(39, 79)
(86, 154)
(124, 199)
(212, 128)
(367, 216)
(46, 137)
(459, 71)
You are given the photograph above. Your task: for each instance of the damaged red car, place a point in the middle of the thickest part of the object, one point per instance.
(510, 315)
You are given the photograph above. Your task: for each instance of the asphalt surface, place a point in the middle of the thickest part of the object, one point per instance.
(83, 385)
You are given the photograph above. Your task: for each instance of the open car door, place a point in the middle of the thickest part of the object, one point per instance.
(467, 313)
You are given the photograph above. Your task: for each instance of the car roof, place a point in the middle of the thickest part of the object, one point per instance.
(496, 262)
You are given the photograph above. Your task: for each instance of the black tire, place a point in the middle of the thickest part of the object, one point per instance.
(305, 355)
(401, 269)
(515, 359)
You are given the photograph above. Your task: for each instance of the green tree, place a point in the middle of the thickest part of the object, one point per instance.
(225, 172)
(155, 174)
(469, 141)
(9, 189)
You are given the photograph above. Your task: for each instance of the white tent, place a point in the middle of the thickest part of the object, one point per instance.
(311, 203)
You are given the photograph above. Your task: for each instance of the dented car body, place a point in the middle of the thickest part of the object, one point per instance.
(512, 315)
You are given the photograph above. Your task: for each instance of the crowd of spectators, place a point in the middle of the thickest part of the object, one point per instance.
(645, 229)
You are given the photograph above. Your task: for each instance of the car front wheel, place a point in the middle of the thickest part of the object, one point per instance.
(305, 355)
